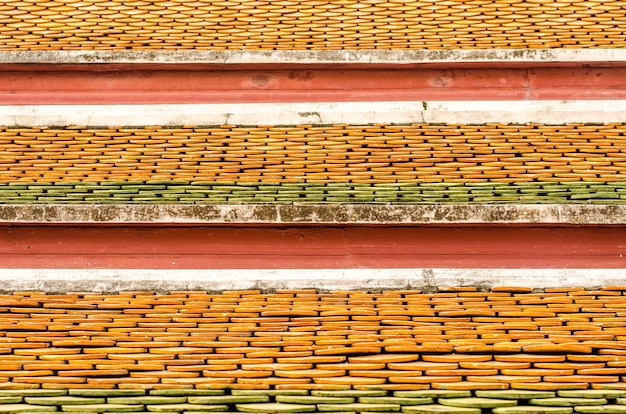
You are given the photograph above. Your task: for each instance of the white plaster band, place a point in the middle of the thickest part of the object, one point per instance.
(356, 113)
(319, 214)
(115, 280)
(308, 57)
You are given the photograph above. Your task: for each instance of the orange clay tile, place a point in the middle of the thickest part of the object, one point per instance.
(353, 381)
(199, 368)
(440, 347)
(511, 289)
(279, 354)
(310, 373)
(499, 365)
(619, 364)
(460, 371)
(489, 362)
(348, 350)
(601, 371)
(504, 378)
(105, 365)
(582, 378)
(236, 374)
(313, 387)
(327, 359)
(594, 358)
(549, 386)
(421, 365)
(171, 152)
(495, 348)
(456, 358)
(351, 366)
(393, 387)
(163, 374)
(468, 385)
(50, 379)
(274, 381)
(530, 358)
(424, 379)
(82, 386)
(275, 367)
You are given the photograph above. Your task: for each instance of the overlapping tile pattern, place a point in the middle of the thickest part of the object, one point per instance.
(321, 163)
(308, 351)
(311, 24)
(320, 401)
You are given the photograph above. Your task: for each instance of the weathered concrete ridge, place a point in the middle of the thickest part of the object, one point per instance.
(310, 57)
(553, 112)
(116, 280)
(384, 214)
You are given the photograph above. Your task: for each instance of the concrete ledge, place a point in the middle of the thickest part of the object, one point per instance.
(359, 214)
(310, 57)
(552, 112)
(116, 280)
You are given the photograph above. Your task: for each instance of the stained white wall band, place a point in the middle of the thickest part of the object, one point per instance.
(320, 214)
(114, 280)
(305, 57)
(356, 113)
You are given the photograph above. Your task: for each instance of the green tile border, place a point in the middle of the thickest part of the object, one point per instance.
(175, 192)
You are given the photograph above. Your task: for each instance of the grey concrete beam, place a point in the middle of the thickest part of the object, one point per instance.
(307, 57)
(328, 214)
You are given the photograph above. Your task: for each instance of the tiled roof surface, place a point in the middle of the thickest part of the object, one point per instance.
(311, 24)
(505, 347)
(402, 163)
(216, 192)
(315, 401)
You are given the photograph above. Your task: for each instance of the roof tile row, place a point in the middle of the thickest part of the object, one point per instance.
(316, 154)
(310, 24)
(508, 338)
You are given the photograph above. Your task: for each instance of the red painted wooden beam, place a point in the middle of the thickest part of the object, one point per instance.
(111, 84)
(311, 247)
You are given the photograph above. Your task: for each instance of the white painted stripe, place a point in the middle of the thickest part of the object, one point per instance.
(570, 214)
(101, 280)
(281, 57)
(405, 112)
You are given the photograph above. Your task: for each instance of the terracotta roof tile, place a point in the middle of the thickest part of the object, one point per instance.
(178, 171)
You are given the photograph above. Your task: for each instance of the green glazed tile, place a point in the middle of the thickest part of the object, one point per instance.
(101, 408)
(20, 408)
(432, 394)
(358, 407)
(567, 402)
(11, 400)
(436, 409)
(185, 392)
(229, 399)
(349, 393)
(32, 393)
(601, 409)
(514, 394)
(477, 402)
(185, 407)
(105, 393)
(395, 400)
(64, 400)
(609, 394)
(269, 392)
(313, 399)
(532, 410)
(147, 399)
(275, 408)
